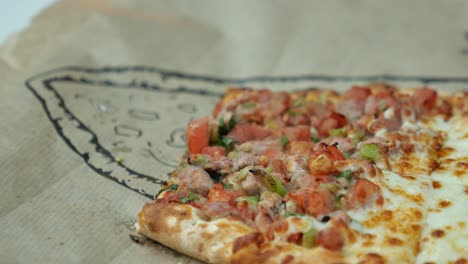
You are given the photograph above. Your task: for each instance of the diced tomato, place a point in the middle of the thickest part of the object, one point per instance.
(334, 153)
(277, 109)
(245, 132)
(244, 212)
(331, 238)
(314, 202)
(335, 120)
(425, 98)
(357, 93)
(364, 193)
(297, 133)
(217, 109)
(340, 119)
(273, 153)
(331, 151)
(279, 167)
(300, 147)
(198, 135)
(219, 194)
(325, 126)
(320, 164)
(265, 95)
(319, 202)
(295, 238)
(215, 152)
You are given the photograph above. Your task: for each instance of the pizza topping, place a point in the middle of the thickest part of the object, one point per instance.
(314, 202)
(189, 198)
(331, 238)
(424, 99)
(268, 207)
(364, 193)
(309, 237)
(195, 179)
(273, 184)
(255, 238)
(253, 185)
(247, 132)
(370, 152)
(198, 135)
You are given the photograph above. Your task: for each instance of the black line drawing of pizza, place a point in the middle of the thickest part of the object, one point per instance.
(127, 123)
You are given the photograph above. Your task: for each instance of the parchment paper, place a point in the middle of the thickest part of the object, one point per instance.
(94, 96)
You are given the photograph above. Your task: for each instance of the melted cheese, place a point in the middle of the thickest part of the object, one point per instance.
(445, 236)
(425, 214)
(392, 231)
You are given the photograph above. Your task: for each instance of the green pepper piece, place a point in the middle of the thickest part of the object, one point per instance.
(191, 197)
(242, 174)
(370, 152)
(224, 127)
(226, 143)
(249, 105)
(347, 174)
(308, 238)
(274, 184)
(314, 139)
(338, 132)
(251, 200)
(284, 141)
(201, 160)
(227, 186)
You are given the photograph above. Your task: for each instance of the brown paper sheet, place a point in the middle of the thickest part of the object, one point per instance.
(87, 136)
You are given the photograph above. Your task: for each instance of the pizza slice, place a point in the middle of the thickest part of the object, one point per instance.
(310, 176)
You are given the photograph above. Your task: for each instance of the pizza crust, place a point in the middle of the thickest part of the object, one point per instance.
(185, 229)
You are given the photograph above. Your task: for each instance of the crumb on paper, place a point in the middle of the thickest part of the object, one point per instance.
(119, 160)
(138, 239)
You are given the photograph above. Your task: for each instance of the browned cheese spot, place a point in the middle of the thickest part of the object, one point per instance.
(244, 241)
(281, 227)
(466, 189)
(433, 165)
(462, 165)
(207, 235)
(407, 148)
(438, 233)
(418, 214)
(445, 203)
(288, 259)
(459, 173)
(445, 151)
(416, 227)
(372, 258)
(461, 261)
(393, 241)
(461, 224)
(387, 215)
(436, 185)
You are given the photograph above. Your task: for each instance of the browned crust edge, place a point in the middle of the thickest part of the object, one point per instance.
(184, 229)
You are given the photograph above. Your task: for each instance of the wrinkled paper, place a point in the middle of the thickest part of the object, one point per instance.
(95, 95)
